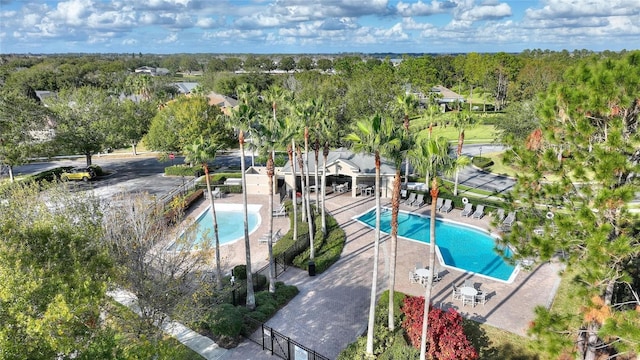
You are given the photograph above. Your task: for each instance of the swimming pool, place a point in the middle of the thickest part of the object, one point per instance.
(230, 223)
(462, 247)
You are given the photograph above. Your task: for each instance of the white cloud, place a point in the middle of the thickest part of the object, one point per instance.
(129, 42)
(171, 38)
(73, 12)
(468, 10)
(583, 8)
(421, 8)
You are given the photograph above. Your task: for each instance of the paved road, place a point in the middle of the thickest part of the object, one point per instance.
(144, 172)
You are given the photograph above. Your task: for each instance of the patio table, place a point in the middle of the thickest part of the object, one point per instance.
(423, 274)
(468, 293)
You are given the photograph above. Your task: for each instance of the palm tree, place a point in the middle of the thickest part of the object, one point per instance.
(201, 152)
(312, 250)
(407, 103)
(269, 130)
(243, 117)
(325, 133)
(398, 143)
(368, 136)
(431, 155)
(460, 163)
(462, 120)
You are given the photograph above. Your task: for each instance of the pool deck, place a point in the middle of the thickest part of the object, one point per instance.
(331, 310)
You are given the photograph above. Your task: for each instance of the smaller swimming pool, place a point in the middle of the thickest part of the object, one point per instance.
(230, 224)
(463, 247)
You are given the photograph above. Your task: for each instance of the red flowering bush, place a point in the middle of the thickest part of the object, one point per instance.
(446, 338)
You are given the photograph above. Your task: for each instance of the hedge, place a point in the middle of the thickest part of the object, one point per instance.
(171, 215)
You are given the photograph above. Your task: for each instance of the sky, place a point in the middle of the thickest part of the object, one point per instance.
(316, 27)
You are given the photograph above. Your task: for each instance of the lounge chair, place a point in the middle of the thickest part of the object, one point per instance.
(419, 201)
(265, 238)
(479, 213)
(282, 211)
(509, 220)
(467, 211)
(216, 193)
(500, 214)
(439, 203)
(411, 199)
(447, 206)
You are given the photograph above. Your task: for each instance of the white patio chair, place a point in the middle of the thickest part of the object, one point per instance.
(411, 199)
(413, 278)
(509, 220)
(455, 294)
(479, 213)
(282, 211)
(419, 201)
(467, 211)
(481, 297)
(439, 203)
(447, 206)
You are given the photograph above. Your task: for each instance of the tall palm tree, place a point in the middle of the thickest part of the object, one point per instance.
(244, 117)
(326, 133)
(368, 136)
(462, 120)
(431, 155)
(202, 152)
(294, 192)
(269, 129)
(461, 162)
(408, 103)
(398, 143)
(312, 250)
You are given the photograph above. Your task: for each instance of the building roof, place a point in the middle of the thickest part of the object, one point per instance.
(447, 95)
(185, 87)
(360, 163)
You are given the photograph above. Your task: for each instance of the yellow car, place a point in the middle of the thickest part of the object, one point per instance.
(84, 174)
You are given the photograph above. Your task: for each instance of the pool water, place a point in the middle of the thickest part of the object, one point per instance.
(460, 246)
(230, 224)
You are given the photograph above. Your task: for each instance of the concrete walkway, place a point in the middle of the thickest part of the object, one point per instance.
(196, 342)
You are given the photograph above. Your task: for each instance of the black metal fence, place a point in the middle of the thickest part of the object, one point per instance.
(281, 266)
(279, 344)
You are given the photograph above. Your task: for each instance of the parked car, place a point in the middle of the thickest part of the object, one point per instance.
(79, 173)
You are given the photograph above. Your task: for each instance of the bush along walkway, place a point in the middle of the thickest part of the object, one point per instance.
(200, 344)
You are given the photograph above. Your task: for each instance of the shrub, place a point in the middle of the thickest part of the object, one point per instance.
(51, 174)
(327, 250)
(185, 170)
(284, 293)
(446, 337)
(482, 162)
(97, 170)
(240, 272)
(182, 203)
(259, 281)
(225, 320)
(399, 349)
